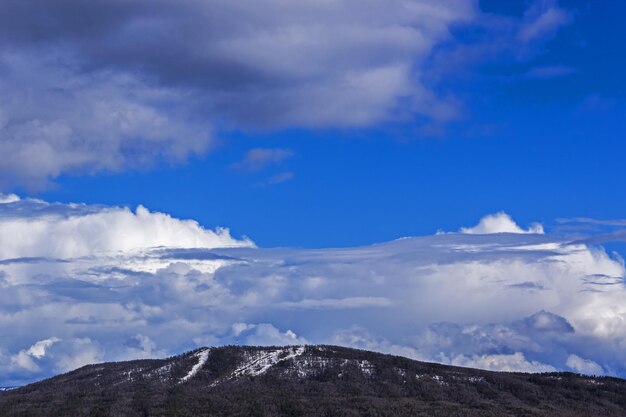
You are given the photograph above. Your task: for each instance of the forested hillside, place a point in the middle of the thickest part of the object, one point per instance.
(308, 381)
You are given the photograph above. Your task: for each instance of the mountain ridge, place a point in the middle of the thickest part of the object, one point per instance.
(308, 380)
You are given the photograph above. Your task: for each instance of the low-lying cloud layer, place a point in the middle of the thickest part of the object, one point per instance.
(80, 284)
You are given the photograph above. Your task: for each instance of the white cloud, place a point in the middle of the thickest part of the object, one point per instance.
(515, 362)
(584, 366)
(52, 230)
(8, 198)
(26, 359)
(500, 223)
(38, 350)
(265, 334)
(74, 353)
(360, 338)
(499, 301)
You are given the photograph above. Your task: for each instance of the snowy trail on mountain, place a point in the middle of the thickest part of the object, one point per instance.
(259, 365)
(202, 356)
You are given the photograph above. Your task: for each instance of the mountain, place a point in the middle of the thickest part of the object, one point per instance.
(308, 381)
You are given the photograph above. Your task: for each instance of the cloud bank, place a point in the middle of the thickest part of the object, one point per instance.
(82, 284)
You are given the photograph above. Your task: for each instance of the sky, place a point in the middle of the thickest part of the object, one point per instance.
(329, 156)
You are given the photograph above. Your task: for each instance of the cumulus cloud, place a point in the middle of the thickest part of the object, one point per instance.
(501, 223)
(265, 334)
(66, 231)
(584, 366)
(26, 358)
(507, 301)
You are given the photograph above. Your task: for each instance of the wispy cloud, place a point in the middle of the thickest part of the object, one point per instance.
(260, 158)
(593, 231)
(548, 72)
(592, 221)
(281, 178)
(543, 19)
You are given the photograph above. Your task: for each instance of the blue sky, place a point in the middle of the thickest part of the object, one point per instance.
(491, 133)
(538, 146)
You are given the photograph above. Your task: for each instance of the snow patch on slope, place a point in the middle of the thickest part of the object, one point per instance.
(202, 356)
(261, 362)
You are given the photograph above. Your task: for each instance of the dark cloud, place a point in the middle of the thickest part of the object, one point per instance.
(119, 84)
(290, 56)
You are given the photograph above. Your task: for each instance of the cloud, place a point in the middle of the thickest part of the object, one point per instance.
(500, 223)
(265, 334)
(593, 231)
(507, 301)
(543, 19)
(515, 362)
(56, 355)
(26, 358)
(336, 303)
(500, 43)
(544, 321)
(361, 338)
(281, 178)
(8, 198)
(587, 220)
(58, 231)
(74, 353)
(121, 85)
(584, 366)
(57, 119)
(124, 85)
(259, 158)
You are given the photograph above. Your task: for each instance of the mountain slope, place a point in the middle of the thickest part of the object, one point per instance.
(308, 381)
